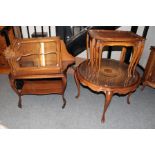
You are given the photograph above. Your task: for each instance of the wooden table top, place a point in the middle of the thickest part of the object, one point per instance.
(112, 74)
(112, 35)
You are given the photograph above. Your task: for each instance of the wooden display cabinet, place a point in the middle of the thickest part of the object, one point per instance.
(149, 73)
(38, 66)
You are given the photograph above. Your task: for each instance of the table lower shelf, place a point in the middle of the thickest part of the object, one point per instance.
(42, 86)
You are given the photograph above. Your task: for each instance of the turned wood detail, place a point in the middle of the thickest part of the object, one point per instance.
(40, 65)
(107, 75)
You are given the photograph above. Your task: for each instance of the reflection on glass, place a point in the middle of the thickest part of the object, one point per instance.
(38, 54)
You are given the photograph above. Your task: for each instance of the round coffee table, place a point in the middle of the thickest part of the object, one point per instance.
(111, 79)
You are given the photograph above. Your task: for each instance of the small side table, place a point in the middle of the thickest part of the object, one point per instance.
(149, 73)
(38, 66)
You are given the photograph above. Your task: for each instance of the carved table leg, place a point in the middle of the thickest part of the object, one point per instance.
(12, 83)
(77, 83)
(108, 96)
(20, 101)
(64, 82)
(64, 102)
(128, 98)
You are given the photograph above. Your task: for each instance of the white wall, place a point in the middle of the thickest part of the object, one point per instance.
(150, 41)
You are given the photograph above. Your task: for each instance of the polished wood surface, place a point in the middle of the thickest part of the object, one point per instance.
(38, 66)
(110, 35)
(112, 74)
(149, 73)
(107, 75)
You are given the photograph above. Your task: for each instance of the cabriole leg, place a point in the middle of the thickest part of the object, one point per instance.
(64, 82)
(128, 98)
(108, 96)
(12, 83)
(64, 101)
(20, 101)
(77, 83)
